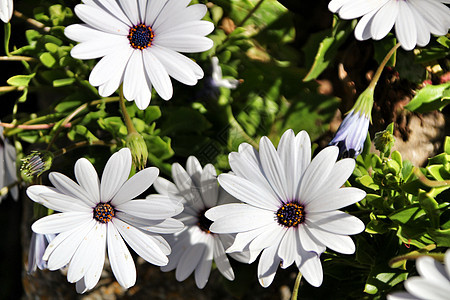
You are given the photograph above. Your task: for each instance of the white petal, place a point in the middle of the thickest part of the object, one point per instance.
(309, 242)
(64, 203)
(221, 211)
(62, 248)
(221, 260)
(157, 74)
(336, 222)
(120, 258)
(288, 248)
(384, 20)
(153, 10)
(6, 10)
(189, 260)
(141, 243)
(200, 27)
(135, 186)
(340, 173)
(165, 187)
(242, 221)
(339, 243)
(176, 65)
(101, 20)
(60, 222)
(110, 67)
(273, 168)
(155, 207)
(426, 289)
(335, 199)
(360, 8)
(88, 179)
(311, 270)
(175, 12)
(203, 268)
(363, 29)
(67, 186)
(405, 26)
(131, 10)
(133, 76)
(115, 174)
(95, 270)
(248, 192)
(268, 265)
(316, 173)
(209, 186)
(188, 43)
(98, 47)
(400, 296)
(83, 258)
(84, 33)
(432, 270)
(272, 234)
(246, 164)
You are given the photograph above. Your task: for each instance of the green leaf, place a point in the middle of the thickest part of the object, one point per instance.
(442, 237)
(429, 98)
(47, 59)
(382, 47)
(327, 48)
(63, 82)
(407, 214)
(20, 80)
(431, 207)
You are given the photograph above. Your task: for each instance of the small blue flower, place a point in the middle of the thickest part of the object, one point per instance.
(351, 134)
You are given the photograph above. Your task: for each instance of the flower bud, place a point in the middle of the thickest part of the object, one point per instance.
(35, 164)
(384, 141)
(138, 147)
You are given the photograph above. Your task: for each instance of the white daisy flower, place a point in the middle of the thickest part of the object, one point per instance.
(290, 210)
(413, 20)
(140, 41)
(195, 248)
(99, 215)
(432, 284)
(6, 10)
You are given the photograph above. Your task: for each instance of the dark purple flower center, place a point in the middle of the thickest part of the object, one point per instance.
(140, 36)
(203, 222)
(291, 214)
(104, 212)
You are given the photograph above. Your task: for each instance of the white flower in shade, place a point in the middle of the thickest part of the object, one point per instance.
(217, 78)
(290, 205)
(8, 172)
(6, 10)
(413, 20)
(432, 284)
(140, 41)
(38, 244)
(195, 248)
(99, 215)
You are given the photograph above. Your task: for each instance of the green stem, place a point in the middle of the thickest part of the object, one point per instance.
(79, 145)
(7, 36)
(380, 69)
(126, 116)
(17, 58)
(296, 286)
(73, 114)
(31, 21)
